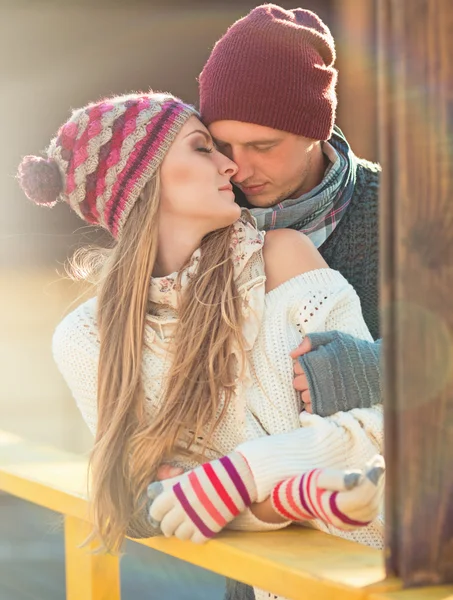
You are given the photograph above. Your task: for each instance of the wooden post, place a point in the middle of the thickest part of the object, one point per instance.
(89, 576)
(354, 28)
(416, 147)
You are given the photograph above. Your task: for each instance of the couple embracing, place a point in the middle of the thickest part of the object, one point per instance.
(229, 362)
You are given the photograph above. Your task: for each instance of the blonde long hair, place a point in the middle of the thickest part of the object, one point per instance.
(129, 445)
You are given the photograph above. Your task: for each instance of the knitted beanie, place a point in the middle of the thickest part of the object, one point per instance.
(103, 156)
(274, 68)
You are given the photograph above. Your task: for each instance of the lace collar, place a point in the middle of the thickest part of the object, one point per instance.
(246, 239)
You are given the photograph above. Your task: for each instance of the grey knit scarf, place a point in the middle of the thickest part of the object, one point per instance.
(319, 211)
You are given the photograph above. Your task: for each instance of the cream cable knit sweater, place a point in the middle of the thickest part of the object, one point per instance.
(266, 422)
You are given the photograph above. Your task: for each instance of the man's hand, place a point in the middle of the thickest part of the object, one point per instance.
(300, 381)
(337, 372)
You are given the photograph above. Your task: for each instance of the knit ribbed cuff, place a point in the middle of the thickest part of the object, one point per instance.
(275, 458)
(343, 372)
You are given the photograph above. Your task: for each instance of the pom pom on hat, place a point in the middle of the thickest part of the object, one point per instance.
(40, 180)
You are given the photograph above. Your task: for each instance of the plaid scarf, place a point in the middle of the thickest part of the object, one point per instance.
(319, 211)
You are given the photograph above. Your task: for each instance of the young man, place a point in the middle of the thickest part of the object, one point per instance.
(267, 93)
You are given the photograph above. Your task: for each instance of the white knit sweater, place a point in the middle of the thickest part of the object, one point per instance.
(266, 422)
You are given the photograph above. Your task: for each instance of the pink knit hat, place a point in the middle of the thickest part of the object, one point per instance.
(103, 156)
(274, 68)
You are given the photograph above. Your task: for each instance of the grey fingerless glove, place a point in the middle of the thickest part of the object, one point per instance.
(140, 526)
(343, 372)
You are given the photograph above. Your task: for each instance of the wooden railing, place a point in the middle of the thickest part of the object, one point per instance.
(297, 563)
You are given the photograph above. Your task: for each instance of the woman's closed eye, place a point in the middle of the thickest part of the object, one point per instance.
(205, 149)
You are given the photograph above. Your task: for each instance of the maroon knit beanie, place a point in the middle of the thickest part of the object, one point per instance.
(274, 68)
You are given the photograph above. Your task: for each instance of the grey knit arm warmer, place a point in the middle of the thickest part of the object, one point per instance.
(343, 372)
(139, 526)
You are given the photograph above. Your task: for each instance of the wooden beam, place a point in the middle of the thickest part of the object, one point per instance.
(297, 562)
(416, 99)
(423, 593)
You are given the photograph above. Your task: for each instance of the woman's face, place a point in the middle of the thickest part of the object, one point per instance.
(195, 181)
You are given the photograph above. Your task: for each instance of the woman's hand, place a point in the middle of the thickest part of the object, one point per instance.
(198, 504)
(345, 499)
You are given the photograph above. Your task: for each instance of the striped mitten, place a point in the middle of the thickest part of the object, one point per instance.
(198, 504)
(345, 499)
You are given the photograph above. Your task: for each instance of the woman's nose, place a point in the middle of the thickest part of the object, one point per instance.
(228, 167)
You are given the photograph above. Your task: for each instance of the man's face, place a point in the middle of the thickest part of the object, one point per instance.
(273, 165)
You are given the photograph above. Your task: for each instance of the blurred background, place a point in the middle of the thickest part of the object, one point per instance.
(55, 55)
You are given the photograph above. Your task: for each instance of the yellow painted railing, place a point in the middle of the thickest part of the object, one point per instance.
(297, 563)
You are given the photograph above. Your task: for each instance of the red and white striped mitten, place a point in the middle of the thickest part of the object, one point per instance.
(345, 499)
(198, 504)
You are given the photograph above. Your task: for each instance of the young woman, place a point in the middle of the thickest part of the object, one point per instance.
(183, 355)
